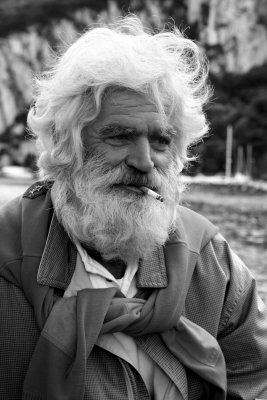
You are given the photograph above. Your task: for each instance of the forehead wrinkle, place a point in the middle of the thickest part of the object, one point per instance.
(128, 100)
(129, 111)
(133, 111)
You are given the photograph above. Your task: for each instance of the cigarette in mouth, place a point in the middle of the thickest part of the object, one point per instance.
(151, 193)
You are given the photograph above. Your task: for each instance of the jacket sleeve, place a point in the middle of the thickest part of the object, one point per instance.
(243, 328)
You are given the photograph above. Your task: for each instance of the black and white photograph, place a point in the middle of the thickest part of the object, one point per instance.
(133, 200)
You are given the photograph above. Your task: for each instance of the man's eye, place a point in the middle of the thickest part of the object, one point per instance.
(119, 140)
(161, 142)
(164, 140)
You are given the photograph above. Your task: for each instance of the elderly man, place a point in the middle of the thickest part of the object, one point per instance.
(109, 288)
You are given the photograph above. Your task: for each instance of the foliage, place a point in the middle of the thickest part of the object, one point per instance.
(18, 15)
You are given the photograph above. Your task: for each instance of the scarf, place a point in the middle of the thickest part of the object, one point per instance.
(71, 326)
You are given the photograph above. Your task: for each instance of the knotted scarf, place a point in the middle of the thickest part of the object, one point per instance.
(71, 327)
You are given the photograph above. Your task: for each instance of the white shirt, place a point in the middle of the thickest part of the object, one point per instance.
(91, 274)
(97, 276)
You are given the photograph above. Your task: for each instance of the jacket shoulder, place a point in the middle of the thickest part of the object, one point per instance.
(198, 230)
(22, 218)
(10, 228)
(37, 189)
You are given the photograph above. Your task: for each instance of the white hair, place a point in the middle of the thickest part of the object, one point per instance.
(167, 67)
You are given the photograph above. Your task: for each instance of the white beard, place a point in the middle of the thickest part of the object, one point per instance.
(116, 222)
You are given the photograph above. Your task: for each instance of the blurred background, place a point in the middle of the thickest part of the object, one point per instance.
(228, 183)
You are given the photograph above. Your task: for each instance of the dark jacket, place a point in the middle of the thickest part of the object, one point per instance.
(220, 296)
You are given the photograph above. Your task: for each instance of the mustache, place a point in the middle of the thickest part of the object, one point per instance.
(152, 182)
(121, 175)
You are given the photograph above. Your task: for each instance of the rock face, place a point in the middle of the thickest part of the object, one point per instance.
(20, 55)
(234, 34)
(23, 54)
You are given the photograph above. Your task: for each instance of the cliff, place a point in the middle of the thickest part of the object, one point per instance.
(233, 33)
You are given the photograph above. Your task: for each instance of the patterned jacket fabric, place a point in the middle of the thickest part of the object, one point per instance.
(221, 298)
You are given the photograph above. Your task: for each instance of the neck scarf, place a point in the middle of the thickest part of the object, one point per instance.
(71, 326)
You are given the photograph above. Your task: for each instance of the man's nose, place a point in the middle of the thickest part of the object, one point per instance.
(139, 156)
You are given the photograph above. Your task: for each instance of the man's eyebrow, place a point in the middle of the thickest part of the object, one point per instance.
(115, 129)
(168, 131)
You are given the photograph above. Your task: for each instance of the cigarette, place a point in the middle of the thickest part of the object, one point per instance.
(151, 193)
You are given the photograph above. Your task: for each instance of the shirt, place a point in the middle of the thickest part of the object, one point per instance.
(91, 274)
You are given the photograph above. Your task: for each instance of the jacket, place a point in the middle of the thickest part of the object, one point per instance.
(220, 297)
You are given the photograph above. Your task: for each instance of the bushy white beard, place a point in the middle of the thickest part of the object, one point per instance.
(114, 221)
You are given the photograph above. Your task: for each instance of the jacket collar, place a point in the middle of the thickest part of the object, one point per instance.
(59, 260)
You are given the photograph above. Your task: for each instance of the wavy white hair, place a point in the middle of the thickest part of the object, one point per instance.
(167, 67)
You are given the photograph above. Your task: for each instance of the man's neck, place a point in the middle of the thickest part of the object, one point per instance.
(115, 266)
